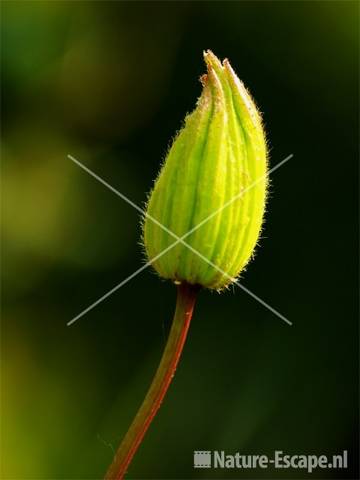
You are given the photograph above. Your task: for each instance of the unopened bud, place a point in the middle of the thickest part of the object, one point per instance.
(212, 184)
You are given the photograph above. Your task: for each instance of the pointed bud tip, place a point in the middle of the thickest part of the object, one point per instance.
(206, 53)
(211, 60)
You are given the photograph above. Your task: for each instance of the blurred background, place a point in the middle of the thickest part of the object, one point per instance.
(110, 83)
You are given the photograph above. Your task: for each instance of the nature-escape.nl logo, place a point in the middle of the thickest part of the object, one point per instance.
(220, 459)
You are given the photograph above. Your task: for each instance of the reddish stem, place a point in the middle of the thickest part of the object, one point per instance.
(186, 296)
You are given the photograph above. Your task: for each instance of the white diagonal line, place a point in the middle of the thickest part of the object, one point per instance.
(179, 239)
(126, 280)
(266, 305)
(110, 292)
(139, 270)
(101, 180)
(205, 220)
(269, 307)
(239, 195)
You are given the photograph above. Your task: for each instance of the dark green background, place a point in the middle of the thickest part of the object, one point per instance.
(110, 83)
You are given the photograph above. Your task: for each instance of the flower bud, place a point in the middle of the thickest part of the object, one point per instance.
(214, 175)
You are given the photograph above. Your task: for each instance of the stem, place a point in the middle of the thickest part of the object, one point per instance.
(186, 296)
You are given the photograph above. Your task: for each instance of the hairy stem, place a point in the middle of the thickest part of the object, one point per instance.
(186, 297)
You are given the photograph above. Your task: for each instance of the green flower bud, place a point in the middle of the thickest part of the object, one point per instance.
(216, 170)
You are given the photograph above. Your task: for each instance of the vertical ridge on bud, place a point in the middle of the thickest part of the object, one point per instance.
(256, 146)
(179, 171)
(214, 175)
(236, 150)
(211, 183)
